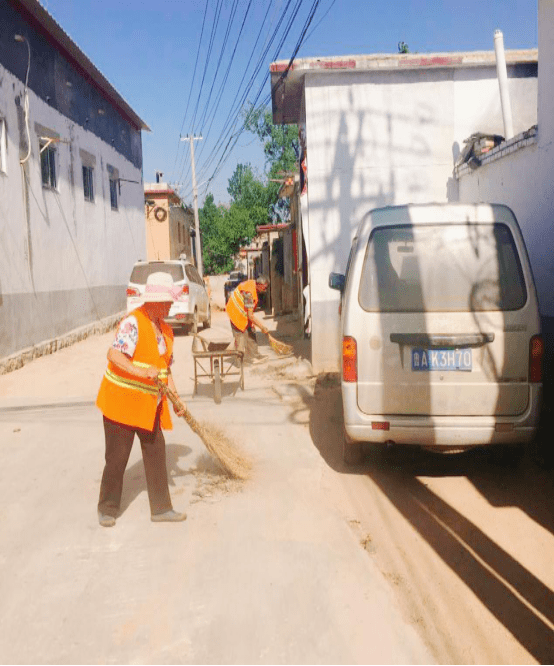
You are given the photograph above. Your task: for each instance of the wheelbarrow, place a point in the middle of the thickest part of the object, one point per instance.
(214, 360)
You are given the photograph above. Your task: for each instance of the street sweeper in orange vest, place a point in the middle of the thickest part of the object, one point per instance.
(240, 309)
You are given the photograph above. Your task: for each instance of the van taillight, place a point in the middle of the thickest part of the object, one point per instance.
(132, 292)
(536, 352)
(185, 289)
(349, 360)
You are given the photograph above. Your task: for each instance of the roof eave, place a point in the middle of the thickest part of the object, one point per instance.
(286, 82)
(44, 23)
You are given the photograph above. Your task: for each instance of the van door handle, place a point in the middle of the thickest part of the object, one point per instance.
(428, 340)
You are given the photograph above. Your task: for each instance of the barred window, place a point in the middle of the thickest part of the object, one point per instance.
(48, 156)
(3, 146)
(88, 183)
(113, 194)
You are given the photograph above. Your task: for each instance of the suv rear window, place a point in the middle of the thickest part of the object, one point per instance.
(442, 268)
(141, 272)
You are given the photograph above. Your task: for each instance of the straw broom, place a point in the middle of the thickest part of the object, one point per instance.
(217, 443)
(279, 347)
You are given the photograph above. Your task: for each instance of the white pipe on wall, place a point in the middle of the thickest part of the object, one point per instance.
(502, 74)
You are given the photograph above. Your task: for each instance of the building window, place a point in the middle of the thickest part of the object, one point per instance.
(88, 183)
(3, 146)
(113, 193)
(48, 155)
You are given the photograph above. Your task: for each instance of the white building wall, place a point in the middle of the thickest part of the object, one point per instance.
(523, 179)
(377, 139)
(64, 261)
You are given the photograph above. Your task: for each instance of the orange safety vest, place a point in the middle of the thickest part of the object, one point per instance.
(129, 399)
(235, 305)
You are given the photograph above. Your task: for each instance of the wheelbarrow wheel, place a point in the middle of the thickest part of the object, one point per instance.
(217, 382)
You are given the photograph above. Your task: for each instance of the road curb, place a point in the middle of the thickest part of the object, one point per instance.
(24, 356)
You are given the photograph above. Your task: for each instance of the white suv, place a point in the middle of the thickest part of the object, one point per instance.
(192, 307)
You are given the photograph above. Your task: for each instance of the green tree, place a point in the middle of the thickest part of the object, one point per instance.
(281, 150)
(215, 256)
(254, 197)
(224, 231)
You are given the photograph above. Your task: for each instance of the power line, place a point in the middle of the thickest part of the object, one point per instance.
(228, 150)
(232, 127)
(192, 84)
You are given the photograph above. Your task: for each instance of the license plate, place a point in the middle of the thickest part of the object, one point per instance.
(425, 360)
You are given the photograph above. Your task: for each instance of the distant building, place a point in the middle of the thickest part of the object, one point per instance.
(378, 130)
(71, 195)
(169, 224)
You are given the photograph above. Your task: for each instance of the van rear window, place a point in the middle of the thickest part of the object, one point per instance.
(141, 272)
(442, 268)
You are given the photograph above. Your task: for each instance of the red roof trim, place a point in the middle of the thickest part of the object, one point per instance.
(280, 67)
(262, 228)
(333, 64)
(152, 193)
(434, 61)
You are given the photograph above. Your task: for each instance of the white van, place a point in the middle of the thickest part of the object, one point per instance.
(441, 343)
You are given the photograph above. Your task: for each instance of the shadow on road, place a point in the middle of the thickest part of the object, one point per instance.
(517, 598)
(134, 481)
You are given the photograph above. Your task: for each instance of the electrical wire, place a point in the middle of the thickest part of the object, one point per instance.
(191, 85)
(229, 147)
(232, 128)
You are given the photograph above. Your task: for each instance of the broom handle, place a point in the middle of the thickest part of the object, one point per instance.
(257, 323)
(165, 390)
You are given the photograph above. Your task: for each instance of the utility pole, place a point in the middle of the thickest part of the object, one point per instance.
(198, 245)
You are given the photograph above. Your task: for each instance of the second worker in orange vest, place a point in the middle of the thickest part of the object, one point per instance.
(240, 309)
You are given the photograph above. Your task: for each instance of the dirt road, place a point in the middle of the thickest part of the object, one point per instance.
(466, 541)
(410, 558)
(262, 572)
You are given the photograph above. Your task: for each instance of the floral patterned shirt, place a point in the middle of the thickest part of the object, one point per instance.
(126, 338)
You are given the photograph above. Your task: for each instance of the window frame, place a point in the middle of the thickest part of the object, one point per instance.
(113, 180)
(114, 200)
(48, 154)
(3, 146)
(88, 182)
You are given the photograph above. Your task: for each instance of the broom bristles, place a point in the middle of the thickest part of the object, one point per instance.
(279, 347)
(216, 442)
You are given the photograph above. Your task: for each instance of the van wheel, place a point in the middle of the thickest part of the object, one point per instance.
(194, 325)
(352, 452)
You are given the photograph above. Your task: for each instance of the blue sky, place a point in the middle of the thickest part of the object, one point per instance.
(148, 51)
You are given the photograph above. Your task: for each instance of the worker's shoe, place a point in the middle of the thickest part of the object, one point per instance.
(105, 520)
(170, 516)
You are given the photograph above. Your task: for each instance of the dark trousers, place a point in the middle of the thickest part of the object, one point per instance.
(246, 342)
(119, 442)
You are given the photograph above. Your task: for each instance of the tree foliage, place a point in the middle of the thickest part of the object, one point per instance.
(254, 197)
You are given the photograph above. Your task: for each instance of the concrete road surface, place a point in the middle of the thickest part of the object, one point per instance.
(266, 571)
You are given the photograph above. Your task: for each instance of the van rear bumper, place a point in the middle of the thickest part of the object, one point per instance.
(445, 431)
